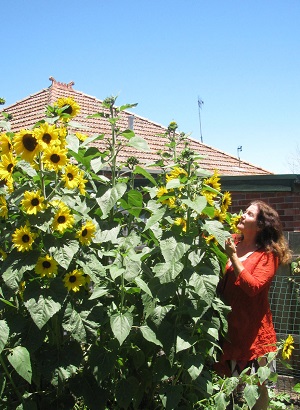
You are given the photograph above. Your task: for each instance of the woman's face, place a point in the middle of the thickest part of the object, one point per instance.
(248, 221)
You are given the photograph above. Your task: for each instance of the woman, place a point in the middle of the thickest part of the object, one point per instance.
(254, 257)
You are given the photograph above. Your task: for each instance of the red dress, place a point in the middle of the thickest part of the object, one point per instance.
(250, 328)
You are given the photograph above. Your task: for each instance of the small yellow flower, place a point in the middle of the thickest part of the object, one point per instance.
(5, 144)
(46, 266)
(26, 145)
(288, 347)
(71, 176)
(161, 191)
(86, 233)
(213, 181)
(74, 280)
(7, 164)
(181, 222)
(3, 207)
(33, 202)
(81, 137)
(63, 219)
(23, 238)
(71, 107)
(219, 215)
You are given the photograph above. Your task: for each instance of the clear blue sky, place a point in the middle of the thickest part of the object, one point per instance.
(241, 57)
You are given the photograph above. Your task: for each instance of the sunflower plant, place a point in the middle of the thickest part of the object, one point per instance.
(108, 271)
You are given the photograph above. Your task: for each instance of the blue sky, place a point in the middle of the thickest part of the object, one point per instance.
(241, 57)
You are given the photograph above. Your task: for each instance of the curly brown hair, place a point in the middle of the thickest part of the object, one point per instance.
(270, 236)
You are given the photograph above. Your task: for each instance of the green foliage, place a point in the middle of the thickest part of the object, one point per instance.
(108, 287)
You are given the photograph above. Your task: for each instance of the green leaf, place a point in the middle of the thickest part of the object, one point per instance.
(220, 401)
(73, 323)
(251, 394)
(263, 373)
(127, 106)
(72, 142)
(4, 334)
(138, 143)
(173, 250)
(182, 344)
(140, 171)
(143, 285)
(216, 229)
(167, 272)
(132, 202)
(126, 389)
(121, 325)
(194, 365)
(128, 134)
(42, 308)
(19, 358)
(296, 388)
(109, 199)
(64, 253)
(154, 218)
(198, 205)
(149, 335)
(173, 183)
(98, 292)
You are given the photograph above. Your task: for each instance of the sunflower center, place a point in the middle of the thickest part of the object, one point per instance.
(46, 264)
(84, 232)
(55, 158)
(25, 238)
(72, 279)
(10, 167)
(61, 219)
(35, 202)
(70, 176)
(68, 110)
(47, 138)
(29, 142)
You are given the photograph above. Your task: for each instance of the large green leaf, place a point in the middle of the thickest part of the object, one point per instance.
(173, 250)
(64, 253)
(125, 391)
(141, 171)
(73, 324)
(138, 143)
(216, 229)
(121, 325)
(150, 335)
(132, 202)
(167, 272)
(204, 286)
(4, 333)
(41, 308)
(221, 401)
(251, 394)
(197, 205)
(154, 218)
(143, 285)
(19, 358)
(109, 199)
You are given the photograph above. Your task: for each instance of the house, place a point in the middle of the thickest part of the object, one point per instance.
(28, 111)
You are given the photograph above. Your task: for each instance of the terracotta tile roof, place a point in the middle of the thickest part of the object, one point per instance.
(27, 112)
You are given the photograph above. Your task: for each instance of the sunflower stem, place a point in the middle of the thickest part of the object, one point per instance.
(10, 378)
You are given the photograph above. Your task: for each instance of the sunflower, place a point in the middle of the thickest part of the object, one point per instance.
(74, 280)
(219, 216)
(26, 145)
(213, 181)
(63, 219)
(55, 158)
(181, 222)
(86, 233)
(7, 164)
(209, 239)
(226, 201)
(288, 347)
(71, 176)
(176, 173)
(62, 132)
(46, 135)
(33, 202)
(161, 191)
(46, 266)
(3, 207)
(81, 137)
(71, 107)
(81, 182)
(23, 238)
(5, 144)
(234, 220)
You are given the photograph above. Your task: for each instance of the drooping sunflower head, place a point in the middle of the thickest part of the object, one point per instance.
(219, 215)
(23, 238)
(54, 158)
(176, 172)
(226, 201)
(86, 233)
(5, 144)
(288, 348)
(46, 135)
(71, 176)
(33, 202)
(234, 220)
(71, 107)
(26, 145)
(81, 183)
(213, 181)
(80, 136)
(63, 219)
(3, 207)
(7, 164)
(74, 280)
(46, 266)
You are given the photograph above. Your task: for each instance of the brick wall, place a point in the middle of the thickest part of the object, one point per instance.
(287, 204)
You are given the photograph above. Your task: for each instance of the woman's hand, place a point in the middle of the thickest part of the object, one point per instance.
(230, 247)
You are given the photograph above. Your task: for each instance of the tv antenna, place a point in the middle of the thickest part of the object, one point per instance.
(200, 103)
(239, 149)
